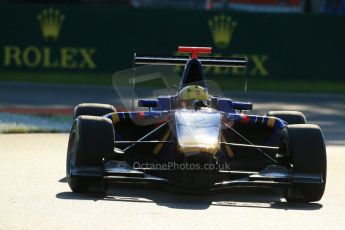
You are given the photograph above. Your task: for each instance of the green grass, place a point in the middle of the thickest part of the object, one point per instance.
(315, 86)
(19, 130)
(272, 84)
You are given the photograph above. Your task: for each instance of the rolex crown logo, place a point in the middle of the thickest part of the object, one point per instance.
(222, 28)
(50, 21)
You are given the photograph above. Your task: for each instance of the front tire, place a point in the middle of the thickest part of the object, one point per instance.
(91, 141)
(305, 148)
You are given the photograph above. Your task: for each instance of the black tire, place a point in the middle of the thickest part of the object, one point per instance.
(91, 140)
(291, 117)
(305, 147)
(93, 109)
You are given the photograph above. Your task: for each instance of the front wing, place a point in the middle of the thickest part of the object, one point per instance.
(271, 176)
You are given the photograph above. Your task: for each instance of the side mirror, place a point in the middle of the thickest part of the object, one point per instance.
(242, 106)
(149, 103)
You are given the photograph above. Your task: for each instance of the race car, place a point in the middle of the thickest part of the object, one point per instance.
(195, 142)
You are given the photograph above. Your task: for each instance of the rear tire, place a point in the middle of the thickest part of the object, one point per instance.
(91, 140)
(93, 109)
(305, 148)
(291, 117)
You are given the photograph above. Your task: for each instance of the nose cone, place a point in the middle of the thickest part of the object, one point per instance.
(198, 132)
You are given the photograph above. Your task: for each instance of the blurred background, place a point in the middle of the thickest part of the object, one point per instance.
(56, 54)
(86, 41)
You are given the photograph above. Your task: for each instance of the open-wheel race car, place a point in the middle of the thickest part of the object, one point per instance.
(196, 142)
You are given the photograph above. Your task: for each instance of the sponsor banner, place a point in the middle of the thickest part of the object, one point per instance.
(104, 39)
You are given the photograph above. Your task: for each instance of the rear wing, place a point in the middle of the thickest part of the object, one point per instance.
(205, 61)
(182, 60)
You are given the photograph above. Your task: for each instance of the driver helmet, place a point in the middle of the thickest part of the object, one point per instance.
(193, 92)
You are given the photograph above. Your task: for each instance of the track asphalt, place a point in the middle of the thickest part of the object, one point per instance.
(34, 195)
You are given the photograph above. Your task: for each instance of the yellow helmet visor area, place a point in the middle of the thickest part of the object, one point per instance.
(193, 92)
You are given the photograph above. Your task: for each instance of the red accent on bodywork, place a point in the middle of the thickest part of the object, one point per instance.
(245, 118)
(194, 50)
(141, 114)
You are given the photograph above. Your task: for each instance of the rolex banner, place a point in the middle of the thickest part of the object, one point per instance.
(103, 39)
